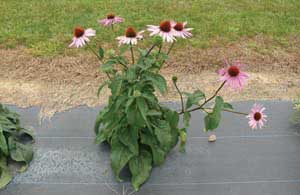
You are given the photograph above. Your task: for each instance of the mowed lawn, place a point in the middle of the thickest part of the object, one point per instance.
(45, 27)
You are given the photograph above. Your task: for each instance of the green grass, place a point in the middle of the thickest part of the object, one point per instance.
(45, 26)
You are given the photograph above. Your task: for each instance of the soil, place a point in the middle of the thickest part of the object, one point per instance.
(62, 82)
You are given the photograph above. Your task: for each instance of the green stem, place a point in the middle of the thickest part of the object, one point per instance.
(206, 101)
(171, 47)
(132, 55)
(99, 58)
(180, 94)
(227, 110)
(149, 51)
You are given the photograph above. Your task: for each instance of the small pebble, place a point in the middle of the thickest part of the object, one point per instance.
(212, 138)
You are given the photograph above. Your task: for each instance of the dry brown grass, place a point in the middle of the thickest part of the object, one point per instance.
(63, 82)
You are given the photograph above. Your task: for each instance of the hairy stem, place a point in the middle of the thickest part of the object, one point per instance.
(180, 94)
(206, 101)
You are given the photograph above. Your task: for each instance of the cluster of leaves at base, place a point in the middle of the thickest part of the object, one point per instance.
(295, 118)
(15, 144)
(138, 128)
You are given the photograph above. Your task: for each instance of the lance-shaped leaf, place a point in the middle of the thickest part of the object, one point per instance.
(213, 119)
(140, 167)
(120, 155)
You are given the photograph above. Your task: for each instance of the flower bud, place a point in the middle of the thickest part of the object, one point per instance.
(174, 79)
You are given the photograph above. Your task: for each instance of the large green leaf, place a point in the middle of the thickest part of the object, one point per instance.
(157, 152)
(101, 87)
(134, 116)
(11, 143)
(163, 134)
(108, 66)
(140, 167)
(116, 86)
(3, 143)
(194, 98)
(5, 174)
(120, 155)
(157, 80)
(129, 137)
(20, 152)
(213, 119)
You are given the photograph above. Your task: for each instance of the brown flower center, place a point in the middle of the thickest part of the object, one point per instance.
(257, 116)
(130, 32)
(165, 26)
(78, 32)
(233, 71)
(178, 26)
(110, 16)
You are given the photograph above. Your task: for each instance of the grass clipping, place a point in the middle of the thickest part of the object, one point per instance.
(15, 145)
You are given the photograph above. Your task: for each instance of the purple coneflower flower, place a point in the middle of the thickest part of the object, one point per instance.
(257, 116)
(81, 36)
(232, 74)
(111, 19)
(164, 30)
(181, 30)
(131, 37)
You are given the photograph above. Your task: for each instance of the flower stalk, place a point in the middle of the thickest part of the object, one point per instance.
(206, 101)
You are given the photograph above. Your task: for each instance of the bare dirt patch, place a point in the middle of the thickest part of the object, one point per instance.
(64, 82)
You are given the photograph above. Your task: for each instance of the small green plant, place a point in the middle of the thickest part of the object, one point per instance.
(139, 129)
(15, 144)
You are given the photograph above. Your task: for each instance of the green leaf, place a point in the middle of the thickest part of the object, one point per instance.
(157, 153)
(3, 143)
(213, 119)
(140, 167)
(134, 115)
(101, 53)
(116, 86)
(101, 87)
(154, 113)
(186, 119)
(143, 109)
(129, 137)
(163, 134)
(120, 155)
(194, 98)
(20, 152)
(108, 66)
(5, 178)
(227, 106)
(183, 138)
(158, 81)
